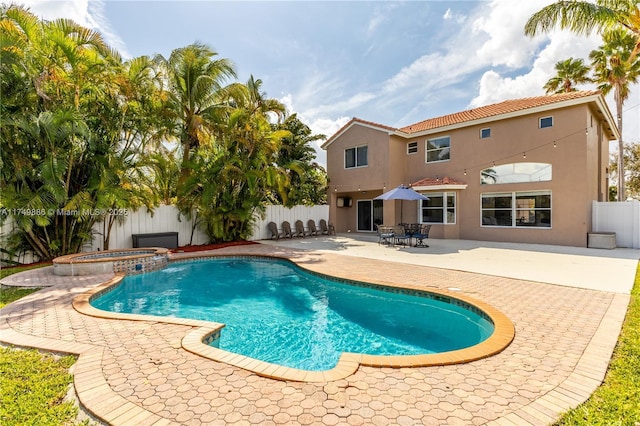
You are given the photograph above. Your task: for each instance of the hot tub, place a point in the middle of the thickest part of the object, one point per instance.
(122, 261)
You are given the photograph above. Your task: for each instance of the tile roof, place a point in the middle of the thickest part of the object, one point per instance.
(512, 105)
(353, 121)
(482, 113)
(435, 181)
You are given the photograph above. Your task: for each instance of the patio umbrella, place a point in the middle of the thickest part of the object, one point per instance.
(401, 193)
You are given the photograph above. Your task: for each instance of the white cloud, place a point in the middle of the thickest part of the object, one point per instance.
(502, 22)
(87, 13)
(380, 15)
(352, 103)
(543, 52)
(450, 15)
(491, 36)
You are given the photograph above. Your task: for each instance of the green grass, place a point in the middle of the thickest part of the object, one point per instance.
(32, 384)
(617, 401)
(9, 294)
(33, 387)
(5, 272)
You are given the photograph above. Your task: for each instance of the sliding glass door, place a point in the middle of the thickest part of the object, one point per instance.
(369, 214)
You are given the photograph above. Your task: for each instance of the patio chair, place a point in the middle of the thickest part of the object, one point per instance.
(326, 229)
(311, 224)
(422, 235)
(400, 237)
(273, 229)
(300, 232)
(385, 234)
(286, 230)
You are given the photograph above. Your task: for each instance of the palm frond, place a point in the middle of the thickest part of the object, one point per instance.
(581, 17)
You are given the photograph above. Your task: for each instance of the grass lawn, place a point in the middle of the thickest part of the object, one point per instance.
(34, 384)
(33, 388)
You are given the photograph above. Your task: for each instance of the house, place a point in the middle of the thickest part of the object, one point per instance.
(523, 170)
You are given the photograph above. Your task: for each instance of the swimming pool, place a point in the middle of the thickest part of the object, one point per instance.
(275, 312)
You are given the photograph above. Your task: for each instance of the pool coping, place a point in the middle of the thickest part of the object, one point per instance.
(196, 340)
(80, 258)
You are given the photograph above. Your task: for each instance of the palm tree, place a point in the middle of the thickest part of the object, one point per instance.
(195, 79)
(74, 120)
(614, 71)
(308, 180)
(570, 73)
(230, 179)
(584, 17)
(258, 102)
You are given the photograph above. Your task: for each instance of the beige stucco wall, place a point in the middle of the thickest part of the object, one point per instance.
(360, 183)
(578, 165)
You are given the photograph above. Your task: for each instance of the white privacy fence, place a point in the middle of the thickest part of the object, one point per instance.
(163, 219)
(279, 214)
(168, 219)
(621, 218)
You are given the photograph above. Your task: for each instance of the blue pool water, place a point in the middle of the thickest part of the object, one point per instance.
(276, 312)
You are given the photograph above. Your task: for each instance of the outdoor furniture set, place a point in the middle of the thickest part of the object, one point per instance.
(299, 230)
(403, 234)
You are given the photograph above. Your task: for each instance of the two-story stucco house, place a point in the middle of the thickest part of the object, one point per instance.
(523, 170)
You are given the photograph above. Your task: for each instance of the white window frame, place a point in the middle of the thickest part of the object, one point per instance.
(482, 136)
(550, 117)
(445, 208)
(514, 209)
(427, 150)
(355, 151)
(412, 148)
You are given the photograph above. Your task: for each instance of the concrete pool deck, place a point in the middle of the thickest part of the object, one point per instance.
(596, 269)
(137, 372)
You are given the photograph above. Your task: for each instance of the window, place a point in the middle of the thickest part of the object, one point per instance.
(438, 149)
(517, 209)
(439, 208)
(546, 122)
(355, 157)
(516, 173)
(485, 133)
(412, 147)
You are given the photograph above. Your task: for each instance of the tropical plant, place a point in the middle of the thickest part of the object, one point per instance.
(233, 176)
(569, 73)
(74, 121)
(308, 180)
(37, 178)
(632, 171)
(585, 17)
(195, 94)
(161, 170)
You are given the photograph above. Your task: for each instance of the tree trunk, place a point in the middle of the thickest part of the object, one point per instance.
(621, 195)
(39, 248)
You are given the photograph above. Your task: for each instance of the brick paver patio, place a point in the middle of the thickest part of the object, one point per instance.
(137, 372)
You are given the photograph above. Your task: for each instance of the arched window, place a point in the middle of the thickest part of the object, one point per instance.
(516, 173)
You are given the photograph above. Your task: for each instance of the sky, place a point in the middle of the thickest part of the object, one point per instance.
(391, 62)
